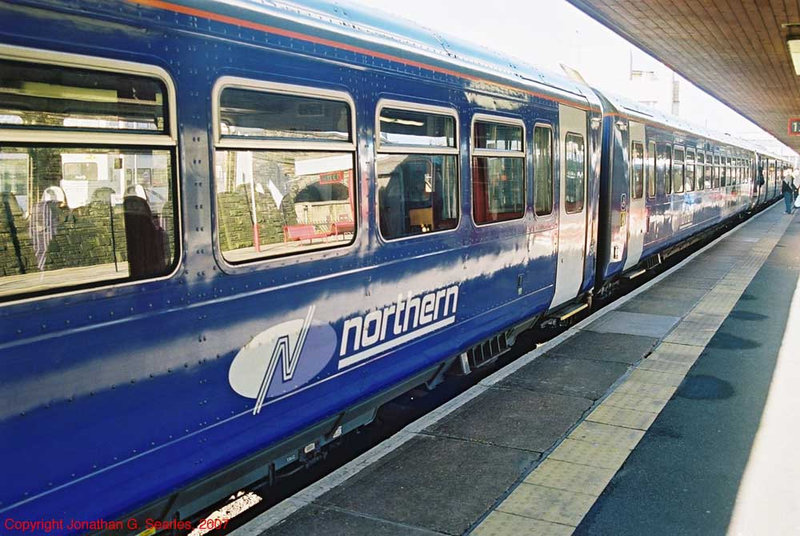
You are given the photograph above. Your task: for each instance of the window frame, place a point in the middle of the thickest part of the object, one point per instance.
(700, 184)
(668, 173)
(692, 185)
(243, 143)
(682, 170)
(264, 86)
(167, 140)
(473, 152)
(651, 163)
(584, 204)
(633, 169)
(417, 149)
(548, 127)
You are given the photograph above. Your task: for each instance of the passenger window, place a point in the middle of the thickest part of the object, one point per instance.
(284, 170)
(668, 170)
(724, 172)
(637, 170)
(677, 171)
(498, 177)
(543, 170)
(575, 173)
(662, 167)
(89, 197)
(700, 172)
(717, 172)
(690, 170)
(417, 171)
(650, 169)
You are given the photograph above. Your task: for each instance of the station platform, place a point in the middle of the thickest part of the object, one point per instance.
(671, 411)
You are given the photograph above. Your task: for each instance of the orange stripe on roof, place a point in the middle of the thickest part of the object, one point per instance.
(212, 15)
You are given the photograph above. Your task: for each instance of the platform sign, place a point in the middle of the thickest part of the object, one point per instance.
(794, 126)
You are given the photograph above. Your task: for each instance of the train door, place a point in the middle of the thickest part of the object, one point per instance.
(637, 216)
(572, 206)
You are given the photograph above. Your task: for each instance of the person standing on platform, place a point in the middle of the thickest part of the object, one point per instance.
(796, 181)
(787, 189)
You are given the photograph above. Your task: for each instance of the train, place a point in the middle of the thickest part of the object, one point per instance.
(231, 231)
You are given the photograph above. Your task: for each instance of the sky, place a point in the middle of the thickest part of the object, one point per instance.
(548, 33)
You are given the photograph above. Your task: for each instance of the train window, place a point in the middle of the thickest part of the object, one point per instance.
(79, 209)
(246, 113)
(542, 170)
(284, 169)
(67, 98)
(662, 167)
(700, 172)
(690, 170)
(498, 177)
(650, 169)
(637, 171)
(717, 172)
(574, 154)
(677, 170)
(417, 170)
(668, 170)
(725, 171)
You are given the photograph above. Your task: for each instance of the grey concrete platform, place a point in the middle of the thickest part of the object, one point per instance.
(530, 452)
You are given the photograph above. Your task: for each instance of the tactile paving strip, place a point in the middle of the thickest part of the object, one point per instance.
(557, 494)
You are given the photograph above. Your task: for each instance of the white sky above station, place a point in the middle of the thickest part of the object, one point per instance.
(547, 33)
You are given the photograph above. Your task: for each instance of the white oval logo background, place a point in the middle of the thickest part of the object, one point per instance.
(250, 366)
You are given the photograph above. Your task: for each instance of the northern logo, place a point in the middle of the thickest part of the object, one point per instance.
(299, 348)
(291, 354)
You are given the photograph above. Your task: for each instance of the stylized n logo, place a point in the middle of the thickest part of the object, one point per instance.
(283, 353)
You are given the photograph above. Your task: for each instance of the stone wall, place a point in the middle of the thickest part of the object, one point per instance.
(234, 212)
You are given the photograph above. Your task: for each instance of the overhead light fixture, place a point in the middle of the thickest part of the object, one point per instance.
(794, 52)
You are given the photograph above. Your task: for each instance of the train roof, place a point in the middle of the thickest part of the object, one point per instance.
(360, 22)
(633, 109)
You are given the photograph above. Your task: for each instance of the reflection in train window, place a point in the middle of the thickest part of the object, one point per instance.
(417, 172)
(700, 170)
(662, 167)
(74, 214)
(66, 98)
(283, 172)
(247, 113)
(668, 164)
(724, 171)
(543, 170)
(498, 177)
(637, 172)
(574, 155)
(650, 169)
(677, 170)
(690, 170)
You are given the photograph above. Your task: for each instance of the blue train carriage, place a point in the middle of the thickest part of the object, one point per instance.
(230, 233)
(663, 183)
